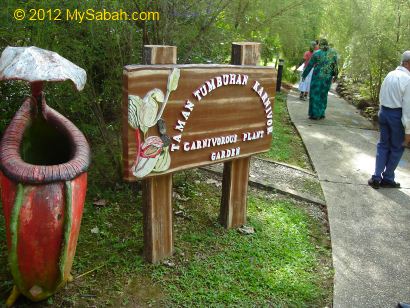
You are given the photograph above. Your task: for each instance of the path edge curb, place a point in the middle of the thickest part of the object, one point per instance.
(269, 187)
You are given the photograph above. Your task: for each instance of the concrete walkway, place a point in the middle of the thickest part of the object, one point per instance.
(370, 229)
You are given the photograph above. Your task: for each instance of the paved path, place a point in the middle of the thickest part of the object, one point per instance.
(370, 229)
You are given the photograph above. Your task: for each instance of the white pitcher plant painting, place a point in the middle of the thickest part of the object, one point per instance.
(153, 152)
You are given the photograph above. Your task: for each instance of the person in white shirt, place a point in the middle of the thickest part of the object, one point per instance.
(394, 123)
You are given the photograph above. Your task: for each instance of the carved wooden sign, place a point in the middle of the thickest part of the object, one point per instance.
(177, 117)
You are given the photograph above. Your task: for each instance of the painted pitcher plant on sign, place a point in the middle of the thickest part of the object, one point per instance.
(153, 151)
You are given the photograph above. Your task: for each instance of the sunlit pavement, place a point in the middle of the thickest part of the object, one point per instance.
(370, 229)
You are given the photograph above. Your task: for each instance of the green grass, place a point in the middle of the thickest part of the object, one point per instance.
(287, 145)
(312, 187)
(285, 263)
(5, 280)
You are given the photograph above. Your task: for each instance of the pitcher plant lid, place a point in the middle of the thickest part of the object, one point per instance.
(34, 64)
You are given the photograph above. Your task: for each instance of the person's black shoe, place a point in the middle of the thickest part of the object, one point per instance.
(313, 118)
(322, 117)
(388, 184)
(403, 305)
(373, 183)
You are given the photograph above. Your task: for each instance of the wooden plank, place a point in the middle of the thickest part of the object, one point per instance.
(157, 191)
(159, 54)
(225, 111)
(127, 134)
(234, 192)
(236, 172)
(245, 53)
(158, 229)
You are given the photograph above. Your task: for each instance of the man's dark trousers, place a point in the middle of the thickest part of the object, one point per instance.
(390, 147)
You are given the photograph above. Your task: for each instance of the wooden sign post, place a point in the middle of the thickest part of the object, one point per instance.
(236, 172)
(178, 117)
(157, 191)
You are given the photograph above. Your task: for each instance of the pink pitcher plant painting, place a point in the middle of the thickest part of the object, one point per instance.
(153, 152)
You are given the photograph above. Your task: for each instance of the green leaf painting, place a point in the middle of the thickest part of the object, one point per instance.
(164, 161)
(134, 103)
(152, 154)
(173, 80)
(147, 112)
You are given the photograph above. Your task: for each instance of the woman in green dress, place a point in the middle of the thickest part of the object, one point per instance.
(324, 65)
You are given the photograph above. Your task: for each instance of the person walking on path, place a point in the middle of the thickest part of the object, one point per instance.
(394, 124)
(304, 85)
(324, 65)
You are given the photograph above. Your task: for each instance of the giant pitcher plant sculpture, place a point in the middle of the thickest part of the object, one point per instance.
(43, 163)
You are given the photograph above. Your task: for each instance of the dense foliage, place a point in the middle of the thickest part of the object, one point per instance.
(202, 30)
(369, 36)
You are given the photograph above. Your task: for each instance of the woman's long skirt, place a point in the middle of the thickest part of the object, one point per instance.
(318, 97)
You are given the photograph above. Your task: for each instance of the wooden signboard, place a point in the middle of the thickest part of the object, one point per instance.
(177, 117)
(186, 116)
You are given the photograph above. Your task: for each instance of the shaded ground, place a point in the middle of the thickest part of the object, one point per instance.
(285, 262)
